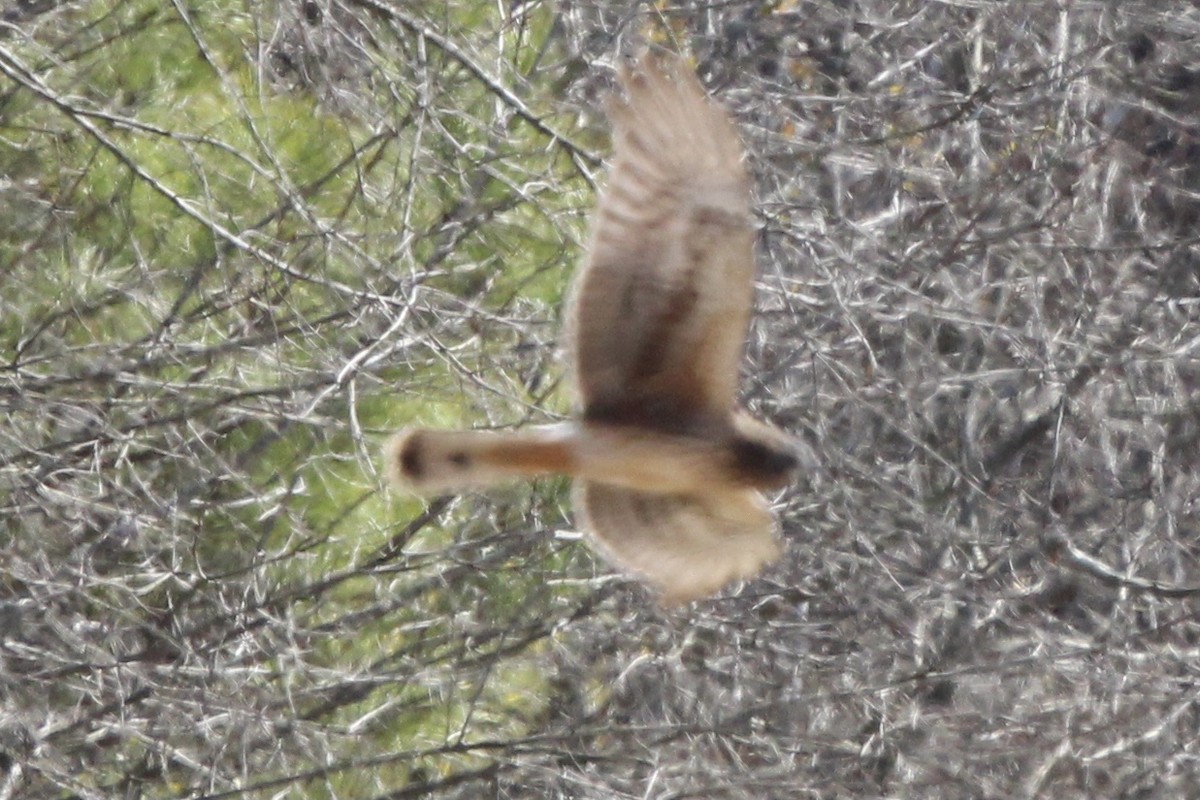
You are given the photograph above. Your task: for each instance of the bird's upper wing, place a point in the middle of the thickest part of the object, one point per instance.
(686, 546)
(660, 308)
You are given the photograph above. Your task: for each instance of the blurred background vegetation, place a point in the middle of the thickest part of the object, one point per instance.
(240, 243)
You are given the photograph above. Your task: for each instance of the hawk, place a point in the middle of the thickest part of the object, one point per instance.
(669, 470)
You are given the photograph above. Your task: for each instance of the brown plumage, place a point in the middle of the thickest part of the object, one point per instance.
(669, 470)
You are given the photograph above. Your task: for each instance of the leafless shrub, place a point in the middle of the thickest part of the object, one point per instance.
(980, 282)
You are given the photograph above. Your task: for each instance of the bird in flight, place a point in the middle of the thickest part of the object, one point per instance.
(669, 471)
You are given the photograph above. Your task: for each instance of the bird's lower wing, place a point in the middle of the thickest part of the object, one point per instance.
(686, 546)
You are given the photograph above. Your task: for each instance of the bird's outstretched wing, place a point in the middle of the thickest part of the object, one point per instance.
(686, 546)
(660, 308)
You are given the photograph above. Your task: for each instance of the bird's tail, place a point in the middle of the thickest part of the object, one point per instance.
(431, 461)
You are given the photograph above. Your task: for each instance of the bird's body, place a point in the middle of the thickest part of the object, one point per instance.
(669, 470)
(634, 456)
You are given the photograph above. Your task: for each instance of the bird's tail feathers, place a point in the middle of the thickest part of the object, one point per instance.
(432, 461)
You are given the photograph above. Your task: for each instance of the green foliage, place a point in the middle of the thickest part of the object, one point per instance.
(220, 289)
